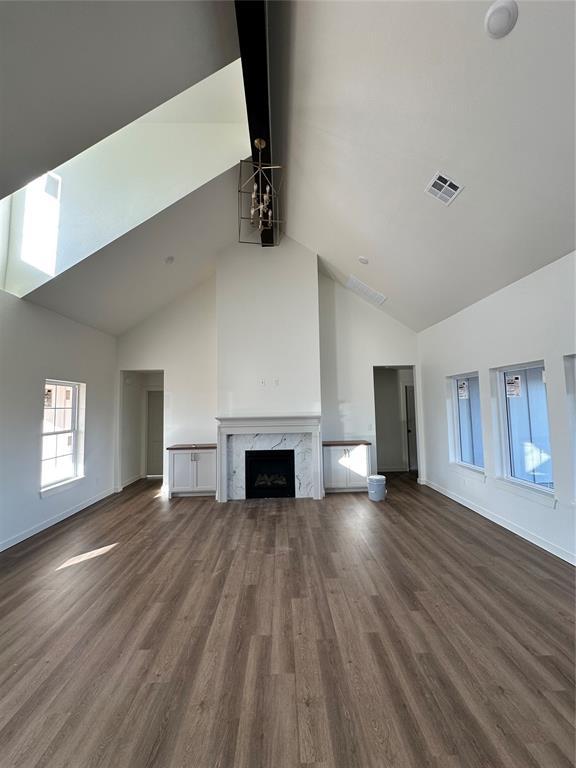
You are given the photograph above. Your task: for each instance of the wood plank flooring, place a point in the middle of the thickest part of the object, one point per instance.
(282, 634)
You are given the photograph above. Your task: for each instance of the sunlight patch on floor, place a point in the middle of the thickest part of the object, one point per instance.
(86, 556)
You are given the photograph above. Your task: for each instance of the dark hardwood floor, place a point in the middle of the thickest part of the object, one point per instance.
(285, 633)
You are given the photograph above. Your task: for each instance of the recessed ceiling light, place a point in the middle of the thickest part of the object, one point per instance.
(501, 18)
(362, 259)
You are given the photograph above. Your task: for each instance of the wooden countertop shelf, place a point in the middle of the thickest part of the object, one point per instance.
(192, 447)
(335, 443)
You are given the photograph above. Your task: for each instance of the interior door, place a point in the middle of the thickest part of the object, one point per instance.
(155, 433)
(411, 428)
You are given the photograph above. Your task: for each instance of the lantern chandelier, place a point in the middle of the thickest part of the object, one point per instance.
(258, 202)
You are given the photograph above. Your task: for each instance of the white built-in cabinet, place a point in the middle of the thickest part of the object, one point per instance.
(346, 466)
(192, 471)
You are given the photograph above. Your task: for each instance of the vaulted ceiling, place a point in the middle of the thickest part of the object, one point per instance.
(150, 266)
(73, 73)
(370, 100)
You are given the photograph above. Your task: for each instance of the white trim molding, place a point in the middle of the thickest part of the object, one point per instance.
(13, 540)
(252, 425)
(65, 485)
(533, 538)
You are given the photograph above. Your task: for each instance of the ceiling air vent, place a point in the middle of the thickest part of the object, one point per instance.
(443, 188)
(363, 290)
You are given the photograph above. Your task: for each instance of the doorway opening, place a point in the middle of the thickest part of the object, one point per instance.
(142, 426)
(395, 419)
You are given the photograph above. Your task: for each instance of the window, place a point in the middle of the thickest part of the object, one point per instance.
(528, 438)
(570, 375)
(469, 446)
(62, 432)
(41, 220)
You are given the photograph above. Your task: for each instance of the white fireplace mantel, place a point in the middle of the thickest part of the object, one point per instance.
(278, 425)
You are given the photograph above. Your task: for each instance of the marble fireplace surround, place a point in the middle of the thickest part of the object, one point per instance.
(238, 434)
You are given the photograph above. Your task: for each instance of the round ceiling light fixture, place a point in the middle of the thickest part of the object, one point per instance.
(362, 259)
(501, 18)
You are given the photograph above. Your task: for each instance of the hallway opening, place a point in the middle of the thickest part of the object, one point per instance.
(141, 426)
(395, 419)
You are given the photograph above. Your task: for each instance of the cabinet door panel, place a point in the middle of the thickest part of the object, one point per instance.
(358, 466)
(182, 471)
(205, 471)
(335, 467)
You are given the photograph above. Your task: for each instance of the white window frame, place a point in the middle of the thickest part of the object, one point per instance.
(77, 430)
(456, 452)
(570, 380)
(505, 475)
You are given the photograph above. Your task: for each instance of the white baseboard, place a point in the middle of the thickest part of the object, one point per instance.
(355, 489)
(53, 520)
(189, 494)
(533, 538)
(126, 483)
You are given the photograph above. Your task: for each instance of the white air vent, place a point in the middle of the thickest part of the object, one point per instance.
(443, 188)
(363, 290)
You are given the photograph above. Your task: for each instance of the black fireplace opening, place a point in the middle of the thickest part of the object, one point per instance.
(270, 474)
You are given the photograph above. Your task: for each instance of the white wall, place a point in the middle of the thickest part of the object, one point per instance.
(131, 433)
(36, 344)
(531, 320)
(269, 326)
(268, 337)
(181, 341)
(355, 337)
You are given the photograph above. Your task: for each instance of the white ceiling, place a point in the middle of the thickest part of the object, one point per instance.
(128, 280)
(73, 73)
(374, 98)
